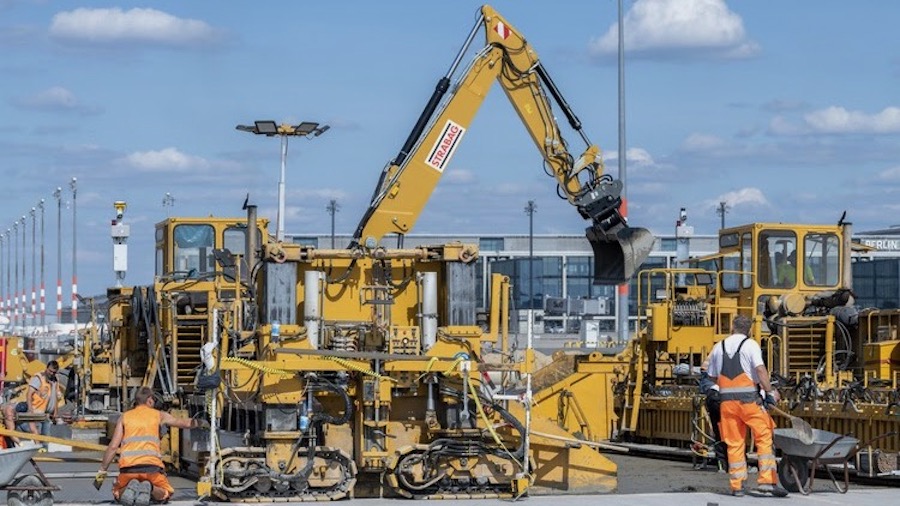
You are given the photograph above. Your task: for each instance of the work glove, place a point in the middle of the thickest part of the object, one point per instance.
(99, 478)
(769, 400)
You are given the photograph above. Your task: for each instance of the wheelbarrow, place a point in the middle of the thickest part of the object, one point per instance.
(26, 489)
(800, 461)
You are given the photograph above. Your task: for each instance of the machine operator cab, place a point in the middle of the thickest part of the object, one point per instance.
(761, 263)
(186, 248)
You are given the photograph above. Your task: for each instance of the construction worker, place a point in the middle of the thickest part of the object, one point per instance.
(142, 476)
(44, 396)
(737, 366)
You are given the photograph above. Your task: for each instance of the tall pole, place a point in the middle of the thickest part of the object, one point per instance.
(24, 265)
(2, 278)
(72, 184)
(16, 271)
(721, 210)
(43, 299)
(623, 310)
(58, 195)
(332, 209)
(530, 209)
(279, 235)
(33, 266)
(8, 279)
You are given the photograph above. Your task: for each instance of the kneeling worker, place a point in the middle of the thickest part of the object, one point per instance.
(142, 474)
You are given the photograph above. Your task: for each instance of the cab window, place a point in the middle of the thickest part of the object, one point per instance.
(193, 249)
(821, 259)
(777, 259)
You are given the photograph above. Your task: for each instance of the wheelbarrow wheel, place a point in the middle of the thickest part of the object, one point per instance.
(798, 464)
(29, 497)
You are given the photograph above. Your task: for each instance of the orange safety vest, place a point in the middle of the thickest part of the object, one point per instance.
(140, 444)
(40, 399)
(735, 384)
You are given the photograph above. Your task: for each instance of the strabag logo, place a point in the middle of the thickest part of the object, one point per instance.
(445, 145)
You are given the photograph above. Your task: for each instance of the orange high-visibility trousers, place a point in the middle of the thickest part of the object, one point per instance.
(736, 417)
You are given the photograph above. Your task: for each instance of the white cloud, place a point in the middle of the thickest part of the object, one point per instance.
(744, 197)
(702, 142)
(54, 99)
(165, 160)
(458, 177)
(679, 28)
(636, 156)
(890, 175)
(115, 26)
(838, 120)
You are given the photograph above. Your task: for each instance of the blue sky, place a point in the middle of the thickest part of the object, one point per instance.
(787, 111)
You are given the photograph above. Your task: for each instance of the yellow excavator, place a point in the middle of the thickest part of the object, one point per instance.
(333, 373)
(508, 60)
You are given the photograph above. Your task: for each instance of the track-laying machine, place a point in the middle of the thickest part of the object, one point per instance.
(329, 374)
(836, 365)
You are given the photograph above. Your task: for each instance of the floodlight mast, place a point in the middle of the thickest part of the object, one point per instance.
(269, 128)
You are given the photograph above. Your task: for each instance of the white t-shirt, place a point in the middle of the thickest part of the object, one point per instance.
(751, 355)
(36, 384)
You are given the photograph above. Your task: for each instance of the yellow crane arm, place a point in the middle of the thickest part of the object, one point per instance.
(408, 181)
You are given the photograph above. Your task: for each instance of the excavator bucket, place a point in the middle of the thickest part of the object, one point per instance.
(618, 252)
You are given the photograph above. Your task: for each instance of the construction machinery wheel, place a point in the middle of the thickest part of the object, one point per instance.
(29, 497)
(790, 470)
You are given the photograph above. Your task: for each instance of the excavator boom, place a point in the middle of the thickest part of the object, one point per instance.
(409, 179)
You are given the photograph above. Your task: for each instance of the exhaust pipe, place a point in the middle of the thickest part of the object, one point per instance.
(619, 250)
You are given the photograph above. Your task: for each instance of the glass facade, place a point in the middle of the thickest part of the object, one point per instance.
(877, 283)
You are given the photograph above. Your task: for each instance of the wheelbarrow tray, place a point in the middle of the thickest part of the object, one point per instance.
(790, 444)
(12, 460)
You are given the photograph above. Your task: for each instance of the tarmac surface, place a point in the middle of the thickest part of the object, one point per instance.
(642, 481)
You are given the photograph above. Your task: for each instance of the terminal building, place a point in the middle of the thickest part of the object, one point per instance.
(559, 287)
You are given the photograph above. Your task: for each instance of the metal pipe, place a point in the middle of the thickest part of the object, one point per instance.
(250, 253)
(847, 261)
(279, 233)
(429, 309)
(313, 283)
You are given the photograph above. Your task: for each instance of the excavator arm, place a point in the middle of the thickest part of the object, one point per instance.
(409, 179)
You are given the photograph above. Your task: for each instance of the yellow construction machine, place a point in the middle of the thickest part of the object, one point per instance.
(835, 365)
(328, 374)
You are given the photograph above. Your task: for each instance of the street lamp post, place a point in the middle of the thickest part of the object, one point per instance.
(16, 272)
(269, 128)
(73, 185)
(2, 278)
(43, 299)
(530, 209)
(8, 279)
(332, 208)
(24, 268)
(58, 195)
(33, 265)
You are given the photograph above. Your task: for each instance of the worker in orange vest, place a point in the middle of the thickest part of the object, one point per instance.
(44, 396)
(142, 475)
(737, 366)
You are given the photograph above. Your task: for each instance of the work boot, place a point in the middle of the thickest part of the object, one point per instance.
(772, 490)
(142, 497)
(738, 493)
(128, 495)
